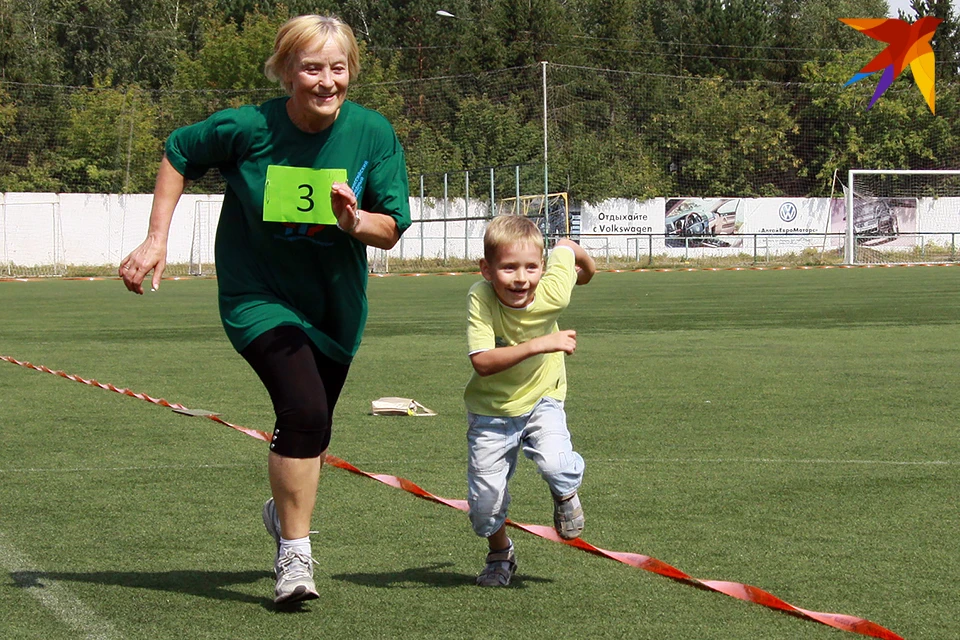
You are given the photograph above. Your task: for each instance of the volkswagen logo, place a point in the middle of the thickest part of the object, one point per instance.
(788, 211)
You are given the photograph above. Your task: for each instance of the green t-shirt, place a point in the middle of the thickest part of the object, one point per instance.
(276, 273)
(491, 324)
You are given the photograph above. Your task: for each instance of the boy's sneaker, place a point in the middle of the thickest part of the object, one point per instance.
(568, 516)
(501, 565)
(272, 522)
(294, 578)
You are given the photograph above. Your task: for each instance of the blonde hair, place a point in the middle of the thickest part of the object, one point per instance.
(296, 34)
(510, 230)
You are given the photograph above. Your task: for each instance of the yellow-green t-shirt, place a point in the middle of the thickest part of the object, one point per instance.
(491, 324)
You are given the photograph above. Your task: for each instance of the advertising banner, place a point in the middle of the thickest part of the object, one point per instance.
(619, 216)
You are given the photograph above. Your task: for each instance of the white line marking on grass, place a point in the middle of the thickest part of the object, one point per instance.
(903, 463)
(54, 596)
(110, 469)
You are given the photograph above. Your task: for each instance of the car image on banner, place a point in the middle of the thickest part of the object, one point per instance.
(878, 221)
(697, 222)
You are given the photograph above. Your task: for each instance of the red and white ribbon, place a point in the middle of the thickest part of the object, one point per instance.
(737, 590)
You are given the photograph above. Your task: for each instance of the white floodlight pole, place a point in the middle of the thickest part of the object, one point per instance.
(546, 169)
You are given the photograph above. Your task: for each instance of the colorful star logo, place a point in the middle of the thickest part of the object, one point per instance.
(908, 44)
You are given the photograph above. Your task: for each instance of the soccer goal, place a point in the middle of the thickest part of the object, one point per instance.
(206, 216)
(31, 236)
(551, 213)
(378, 260)
(901, 216)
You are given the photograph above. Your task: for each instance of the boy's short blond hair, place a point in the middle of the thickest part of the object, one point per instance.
(510, 230)
(300, 32)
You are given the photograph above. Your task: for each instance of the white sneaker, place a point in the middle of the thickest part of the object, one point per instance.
(272, 522)
(294, 578)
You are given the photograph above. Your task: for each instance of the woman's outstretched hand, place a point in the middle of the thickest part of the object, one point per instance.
(150, 255)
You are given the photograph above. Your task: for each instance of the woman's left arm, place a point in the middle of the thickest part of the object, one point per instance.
(374, 229)
(377, 230)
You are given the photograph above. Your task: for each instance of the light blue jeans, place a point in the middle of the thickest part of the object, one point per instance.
(493, 444)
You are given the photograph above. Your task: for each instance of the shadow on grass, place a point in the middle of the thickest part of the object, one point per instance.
(203, 584)
(428, 576)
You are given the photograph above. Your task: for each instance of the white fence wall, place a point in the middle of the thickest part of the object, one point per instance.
(87, 229)
(98, 229)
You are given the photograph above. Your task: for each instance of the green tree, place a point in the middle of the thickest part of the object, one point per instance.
(726, 139)
(618, 34)
(470, 41)
(491, 134)
(230, 57)
(29, 53)
(530, 30)
(714, 38)
(109, 141)
(898, 132)
(8, 113)
(596, 165)
(30, 140)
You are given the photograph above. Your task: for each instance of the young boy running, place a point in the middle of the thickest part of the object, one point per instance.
(515, 396)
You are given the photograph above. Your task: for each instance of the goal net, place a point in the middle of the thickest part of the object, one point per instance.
(31, 236)
(550, 212)
(378, 260)
(206, 216)
(894, 216)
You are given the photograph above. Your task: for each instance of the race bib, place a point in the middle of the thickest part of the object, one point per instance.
(300, 194)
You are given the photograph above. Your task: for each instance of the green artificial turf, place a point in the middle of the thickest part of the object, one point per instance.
(793, 430)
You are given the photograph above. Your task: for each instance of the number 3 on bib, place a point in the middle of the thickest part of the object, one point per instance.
(300, 194)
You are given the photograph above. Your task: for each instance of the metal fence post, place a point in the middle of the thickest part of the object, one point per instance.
(3, 228)
(446, 199)
(423, 225)
(516, 184)
(493, 195)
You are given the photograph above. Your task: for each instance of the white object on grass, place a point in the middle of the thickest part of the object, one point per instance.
(399, 407)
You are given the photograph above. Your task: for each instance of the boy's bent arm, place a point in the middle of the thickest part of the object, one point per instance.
(586, 267)
(492, 361)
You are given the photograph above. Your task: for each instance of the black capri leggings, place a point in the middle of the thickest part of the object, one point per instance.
(304, 386)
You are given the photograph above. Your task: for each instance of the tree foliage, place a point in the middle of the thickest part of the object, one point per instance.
(691, 97)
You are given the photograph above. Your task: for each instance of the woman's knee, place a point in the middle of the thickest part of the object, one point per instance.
(302, 429)
(304, 413)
